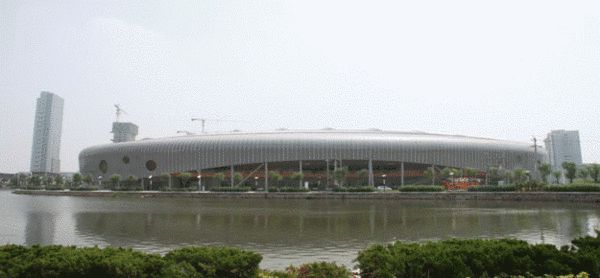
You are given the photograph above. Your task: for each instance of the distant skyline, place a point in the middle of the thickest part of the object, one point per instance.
(506, 70)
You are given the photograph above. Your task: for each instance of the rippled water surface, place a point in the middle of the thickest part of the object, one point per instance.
(284, 231)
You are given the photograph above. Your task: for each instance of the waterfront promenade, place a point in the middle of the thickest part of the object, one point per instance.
(584, 197)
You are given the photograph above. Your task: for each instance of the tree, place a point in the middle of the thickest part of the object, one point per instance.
(430, 174)
(570, 170)
(115, 180)
(557, 175)
(545, 170)
(59, 180)
(132, 181)
(298, 177)
(494, 174)
(339, 175)
(583, 173)
(363, 176)
(184, 179)
(49, 181)
(165, 179)
(471, 172)
(275, 176)
(238, 177)
(13, 182)
(87, 179)
(594, 170)
(77, 179)
(36, 180)
(519, 175)
(220, 178)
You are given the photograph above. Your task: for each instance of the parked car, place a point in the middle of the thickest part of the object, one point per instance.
(384, 188)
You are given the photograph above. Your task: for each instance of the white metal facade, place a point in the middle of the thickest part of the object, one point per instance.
(188, 153)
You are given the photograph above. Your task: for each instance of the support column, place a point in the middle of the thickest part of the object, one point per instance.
(402, 174)
(433, 174)
(371, 177)
(327, 173)
(232, 176)
(266, 177)
(300, 171)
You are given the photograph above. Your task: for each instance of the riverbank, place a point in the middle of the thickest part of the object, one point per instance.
(579, 197)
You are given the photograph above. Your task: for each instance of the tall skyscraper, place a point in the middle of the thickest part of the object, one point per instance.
(563, 146)
(45, 152)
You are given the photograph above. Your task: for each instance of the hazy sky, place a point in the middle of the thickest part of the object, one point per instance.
(505, 69)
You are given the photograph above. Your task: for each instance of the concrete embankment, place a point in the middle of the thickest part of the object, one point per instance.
(584, 197)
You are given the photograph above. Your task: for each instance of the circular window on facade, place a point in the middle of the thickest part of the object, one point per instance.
(126, 159)
(103, 166)
(151, 165)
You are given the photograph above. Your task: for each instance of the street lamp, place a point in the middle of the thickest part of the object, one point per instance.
(100, 181)
(150, 178)
(383, 176)
(255, 182)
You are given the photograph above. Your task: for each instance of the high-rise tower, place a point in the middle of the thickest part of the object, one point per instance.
(563, 146)
(45, 151)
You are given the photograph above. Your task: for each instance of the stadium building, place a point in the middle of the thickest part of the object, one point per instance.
(371, 157)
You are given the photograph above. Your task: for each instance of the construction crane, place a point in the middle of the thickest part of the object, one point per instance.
(120, 111)
(204, 120)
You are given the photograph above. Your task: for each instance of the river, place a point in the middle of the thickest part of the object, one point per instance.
(284, 231)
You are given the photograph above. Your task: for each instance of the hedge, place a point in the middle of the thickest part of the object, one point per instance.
(66, 262)
(421, 188)
(573, 188)
(310, 270)
(355, 189)
(479, 258)
(492, 188)
(289, 189)
(84, 188)
(230, 189)
(178, 189)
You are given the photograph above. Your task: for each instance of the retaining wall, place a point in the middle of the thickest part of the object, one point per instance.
(585, 197)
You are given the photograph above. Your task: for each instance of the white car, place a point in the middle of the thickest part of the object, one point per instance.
(384, 188)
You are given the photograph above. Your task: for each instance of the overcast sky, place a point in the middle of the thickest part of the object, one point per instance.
(505, 69)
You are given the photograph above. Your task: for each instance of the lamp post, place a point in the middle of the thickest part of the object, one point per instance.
(383, 176)
(150, 186)
(256, 182)
(100, 181)
(200, 183)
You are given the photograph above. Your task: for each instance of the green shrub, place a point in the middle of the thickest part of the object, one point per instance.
(355, 189)
(59, 261)
(130, 188)
(289, 189)
(492, 188)
(421, 188)
(573, 188)
(479, 258)
(66, 262)
(217, 262)
(185, 189)
(230, 189)
(530, 186)
(318, 270)
(84, 188)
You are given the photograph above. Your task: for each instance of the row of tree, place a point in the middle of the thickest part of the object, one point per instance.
(571, 172)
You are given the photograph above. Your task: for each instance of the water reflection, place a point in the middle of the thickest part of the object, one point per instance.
(284, 231)
(40, 228)
(333, 223)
